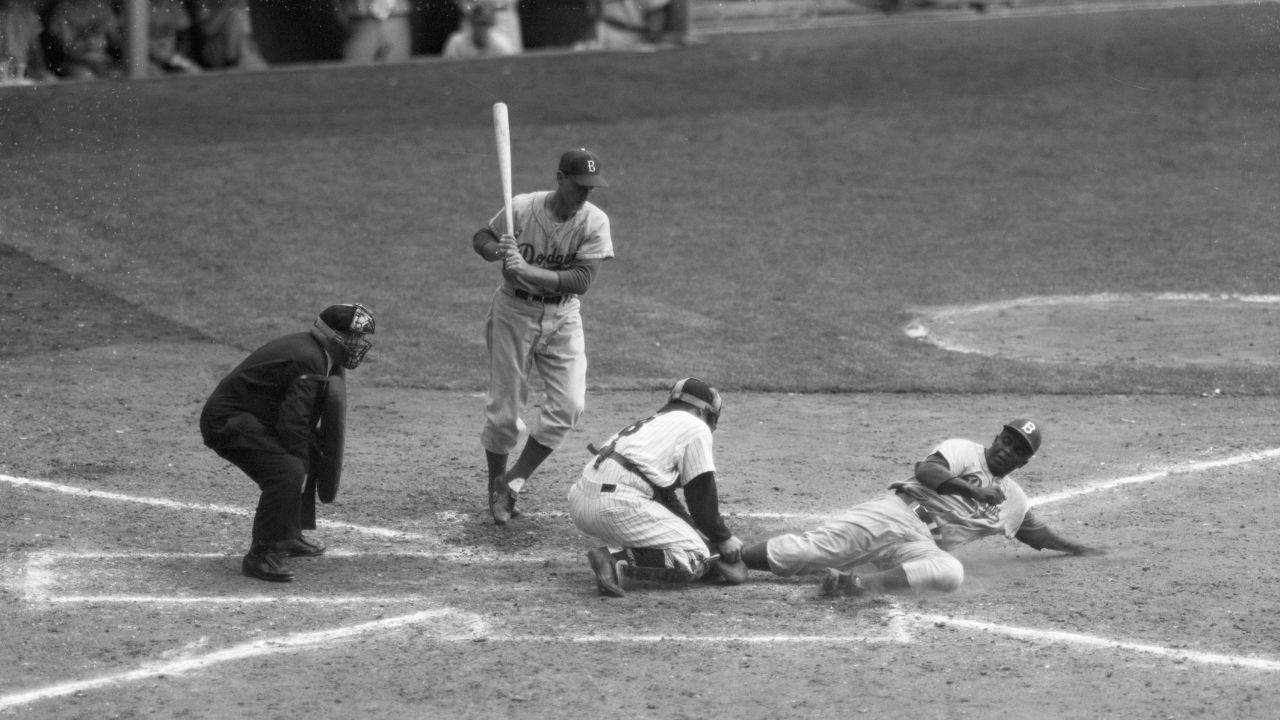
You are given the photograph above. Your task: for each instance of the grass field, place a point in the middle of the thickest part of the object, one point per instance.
(777, 211)
(784, 206)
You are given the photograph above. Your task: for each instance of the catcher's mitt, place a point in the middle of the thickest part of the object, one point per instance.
(733, 573)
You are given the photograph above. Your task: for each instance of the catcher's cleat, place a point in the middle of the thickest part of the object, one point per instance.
(608, 580)
(299, 547)
(501, 506)
(268, 565)
(838, 584)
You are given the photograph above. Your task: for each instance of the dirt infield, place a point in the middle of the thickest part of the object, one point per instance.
(123, 542)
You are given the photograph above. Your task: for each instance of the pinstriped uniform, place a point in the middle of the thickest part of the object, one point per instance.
(615, 505)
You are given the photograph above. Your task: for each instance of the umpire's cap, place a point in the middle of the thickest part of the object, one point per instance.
(349, 325)
(352, 317)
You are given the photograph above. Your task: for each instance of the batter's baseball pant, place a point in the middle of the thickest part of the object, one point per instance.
(522, 335)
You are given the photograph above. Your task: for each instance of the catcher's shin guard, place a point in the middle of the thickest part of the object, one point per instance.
(641, 573)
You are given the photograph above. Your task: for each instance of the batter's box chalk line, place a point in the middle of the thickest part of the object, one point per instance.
(455, 626)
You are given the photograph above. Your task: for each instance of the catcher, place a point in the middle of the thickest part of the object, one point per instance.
(959, 493)
(626, 497)
(265, 418)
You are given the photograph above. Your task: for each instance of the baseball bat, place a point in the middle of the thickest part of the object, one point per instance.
(502, 139)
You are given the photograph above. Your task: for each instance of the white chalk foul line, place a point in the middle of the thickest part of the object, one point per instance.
(202, 507)
(713, 639)
(472, 625)
(454, 516)
(222, 600)
(1186, 469)
(1093, 641)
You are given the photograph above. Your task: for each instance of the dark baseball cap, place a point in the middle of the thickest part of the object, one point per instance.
(351, 317)
(583, 167)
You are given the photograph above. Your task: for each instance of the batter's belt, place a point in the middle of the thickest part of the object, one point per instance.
(551, 299)
(921, 512)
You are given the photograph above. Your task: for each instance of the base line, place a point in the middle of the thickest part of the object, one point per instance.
(1186, 469)
(224, 600)
(202, 507)
(405, 535)
(747, 639)
(1093, 641)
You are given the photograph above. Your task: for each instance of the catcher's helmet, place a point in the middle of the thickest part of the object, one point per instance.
(702, 396)
(1028, 430)
(350, 324)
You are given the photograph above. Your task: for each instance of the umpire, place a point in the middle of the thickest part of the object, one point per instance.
(263, 418)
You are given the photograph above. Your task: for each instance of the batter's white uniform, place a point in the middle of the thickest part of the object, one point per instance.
(526, 328)
(617, 506)
(888, 532)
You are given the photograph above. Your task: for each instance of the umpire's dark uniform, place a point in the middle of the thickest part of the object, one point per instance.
(261, 418)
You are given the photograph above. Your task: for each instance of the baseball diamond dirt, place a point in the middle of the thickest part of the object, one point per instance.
(125, 600)
(121, 563)
(1152, 376)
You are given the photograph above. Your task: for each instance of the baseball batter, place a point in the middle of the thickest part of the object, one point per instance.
(626, 497)
(549, 259)
(959, 493)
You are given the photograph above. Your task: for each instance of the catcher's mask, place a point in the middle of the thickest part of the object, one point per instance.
(700, 395)
(349, 325)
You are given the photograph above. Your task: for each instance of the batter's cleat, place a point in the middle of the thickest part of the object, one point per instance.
(840, 584)
(266, 565)
(501, 505)
(514, 486)
(608, 579)
(299, 547)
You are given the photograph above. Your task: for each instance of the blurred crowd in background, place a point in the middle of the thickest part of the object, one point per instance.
(60, 40)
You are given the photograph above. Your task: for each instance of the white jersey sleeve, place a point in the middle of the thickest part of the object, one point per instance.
(964, 520)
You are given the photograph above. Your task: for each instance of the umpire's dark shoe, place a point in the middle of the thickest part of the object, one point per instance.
(267, 566)
(606, 570)
(299, 547)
